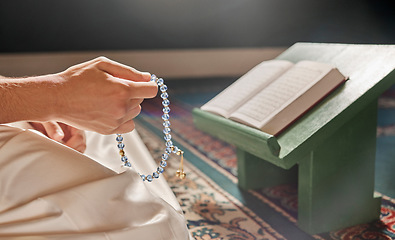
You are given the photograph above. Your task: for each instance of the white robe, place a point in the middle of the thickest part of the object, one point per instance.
(50, 191)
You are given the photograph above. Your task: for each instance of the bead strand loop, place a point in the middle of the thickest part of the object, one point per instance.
(169, 149)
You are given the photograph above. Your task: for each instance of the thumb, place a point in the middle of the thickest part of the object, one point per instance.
(54, 131)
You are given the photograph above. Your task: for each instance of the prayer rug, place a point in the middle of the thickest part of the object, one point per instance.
(214, 206)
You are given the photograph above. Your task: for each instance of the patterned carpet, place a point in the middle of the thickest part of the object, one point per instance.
(216, 208)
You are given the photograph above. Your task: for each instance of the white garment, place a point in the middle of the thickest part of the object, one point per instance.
(50, 191)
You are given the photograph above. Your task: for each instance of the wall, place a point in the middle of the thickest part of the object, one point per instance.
(75, 25)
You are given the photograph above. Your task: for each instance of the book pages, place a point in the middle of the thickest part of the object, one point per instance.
(276, 96)
(246, 86)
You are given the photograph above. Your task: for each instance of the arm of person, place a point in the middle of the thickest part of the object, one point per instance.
(100, 95)
(18, 99)
(10, 112)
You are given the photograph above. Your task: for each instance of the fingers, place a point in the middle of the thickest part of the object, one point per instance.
(53, 130)
(39, 127)
(131, 114)
(122, 124)
(77, 139)
(142, 89)
(133, 103)
(103, 96)
(68, 135)
(121, 71)
(126, 127)
(138, 82)
(60, 132)
(127, 123)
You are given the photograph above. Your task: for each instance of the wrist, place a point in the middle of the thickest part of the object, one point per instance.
(28, 99)
(47, 97)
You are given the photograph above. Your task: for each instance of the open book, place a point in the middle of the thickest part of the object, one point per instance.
(275, 93)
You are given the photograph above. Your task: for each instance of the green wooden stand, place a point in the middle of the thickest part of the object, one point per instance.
(331, 150)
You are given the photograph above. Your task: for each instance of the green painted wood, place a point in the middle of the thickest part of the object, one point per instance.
(269, 175)
(336, 179)
(333, 145)
(235, 133)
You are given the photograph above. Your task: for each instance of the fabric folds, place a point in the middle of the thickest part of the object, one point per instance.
(50, 191)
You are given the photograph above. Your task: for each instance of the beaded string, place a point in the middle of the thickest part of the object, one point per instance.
(170, 148)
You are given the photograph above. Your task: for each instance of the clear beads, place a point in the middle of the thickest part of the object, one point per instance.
(165, 117)
(170, 148)
(166, 110)
(169, 143)
(167, 137)
(158, 81)
(163, 163)
(165, 156)
(166, 102)
(121, 146)
(119, 138)
(166, 130)
(164, 95)
(149, 178)
(166, 123)
(163, 88)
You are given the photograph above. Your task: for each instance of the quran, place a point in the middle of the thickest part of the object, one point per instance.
(275, 93)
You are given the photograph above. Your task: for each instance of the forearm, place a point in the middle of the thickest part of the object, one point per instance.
(27, 99)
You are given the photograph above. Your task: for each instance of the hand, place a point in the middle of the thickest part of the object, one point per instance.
(60, 132)
(102, 96)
